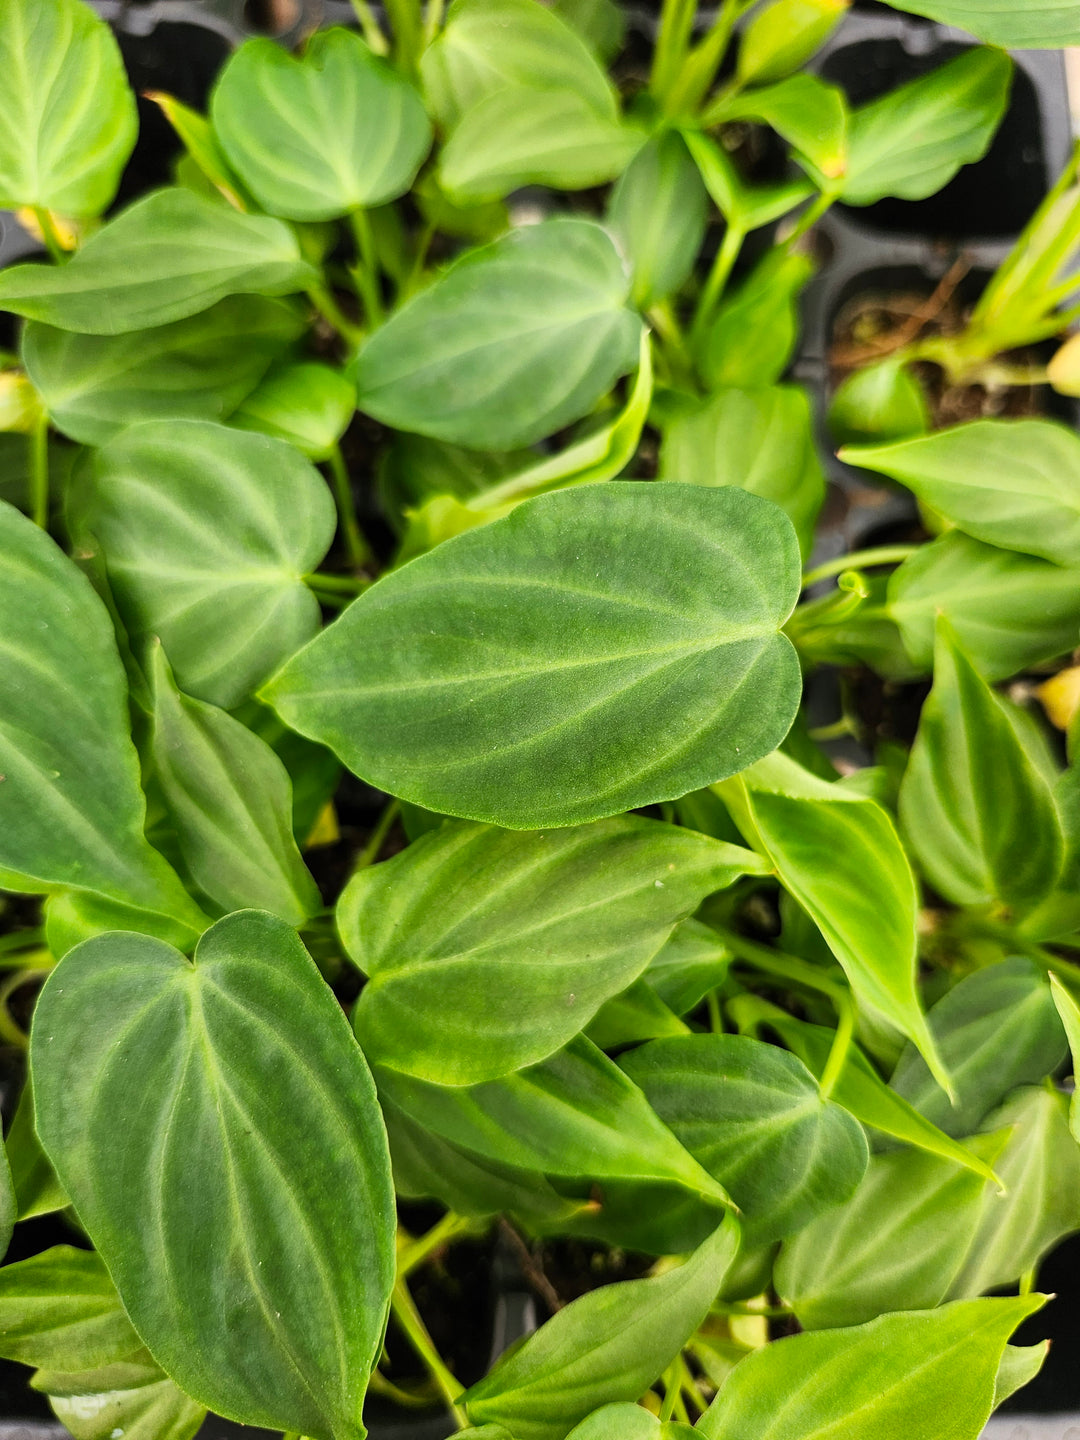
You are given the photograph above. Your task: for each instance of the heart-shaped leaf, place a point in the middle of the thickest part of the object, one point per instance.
(253, 1244)
(598, 649)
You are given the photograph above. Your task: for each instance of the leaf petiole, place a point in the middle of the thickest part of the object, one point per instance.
(404, 1311)
(39, 472)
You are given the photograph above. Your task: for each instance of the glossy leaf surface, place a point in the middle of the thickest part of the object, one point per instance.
(267, 1299)
(207, 533)
(598, 649)
(68, 122)
(487, 950)
(168, 256)
(610, 1345)
(514, 341)
(315, 136)
(754, 1117)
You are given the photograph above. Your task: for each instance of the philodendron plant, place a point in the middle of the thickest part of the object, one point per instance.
(624, 963)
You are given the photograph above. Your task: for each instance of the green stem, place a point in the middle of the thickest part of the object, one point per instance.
(841, 1046)
(836, 731)
(450, 1228)
(367, 268)
(350, 585)
(10, 1032)
(786, 967)
(690, 1387)
(1027, 1281)
(811, 215)
(404, 17)
(356, 547)
(672, 1380)
(39, 472)
(22, 940)
(719, 275)
(333, 314)
(858, 560)
(716, 1019)
(407, 1316)
(50, 234)
(698, 70)
(369, 28)
(676, 28)
(370, 852)
(433, 17)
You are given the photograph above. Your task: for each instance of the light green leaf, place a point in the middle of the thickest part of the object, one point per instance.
(883, 401)
(514, 341)
(317, 135)
(1036, 24)
(267, 1299)
(1019, 1366)
(9, 1203)
(534, 673)
(230, 803)
(658, 211)
(783, 35)
(637, 1014)
(68, 122)
(747, 206)
(754, 1116)
(575, 1114)
(60, 1310)
(691, 963)
(488, 45)
(168, 256)
(72, 916)
(808, 113)
(488, 950)
(629, 1422)
(1069, 1011)
(751, 340)
(912, 141)
(924, 1373)
(71, 810)
(525, 135)
(37, 1190)
(307, 404)
(896, 1245)
(995, 1030)
(204, 154)
(1013, 483)
(1009, 611)
(1040, 1204)
(761, 439)
(601, 23)
(610, 1345)
(838, 854)
(976, 813)
(200, 368)
(134, 1396)
(207, 534)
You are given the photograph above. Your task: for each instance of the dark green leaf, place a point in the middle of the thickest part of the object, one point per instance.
(37, 1190)
(657, 210)
(488, 950)
(533, 672)
(266, 1299)
(68, 121)
(168, 256)
(684, 970)
(610, 1345)
(883, 401)
(1036, 24)
(315, 136)
(307, 404)
(60, 1310)
(755, 1118)
(514, 341)
(207, 534)
(923, 1373)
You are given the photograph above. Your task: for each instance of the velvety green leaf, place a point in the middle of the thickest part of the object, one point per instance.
(1036, 24)
(1069, 1011)
(610, 1345)
(525, 135)
(839, 855)
(267, 1300)
(912, 141)
(629, 1422)
(200, 368)
(72, 916)
(691, 963)
(1014, 483)
(9, 1203)
(514, 341)
(976, 813)
(488, 45)
(414, 468)
(896, 1245)
(37, 1190)
(808, 113)
(883, 401)
(995, 1030)
(761, 439)
(783, 35)
(1040, 1172)
(71, 810)
(658, 211)
(746, 206)
(751, 340)
(488, 1432)
(861, 1090)
(488, 950)
(60, 1310)
(827, 631)
(207, 533)
(134, 1396)
(201, 144)
(600, 23)
(534, 672)
(637, 1014)
(923, 1373)
(168, 256)
(307, 404)
(317, 135)
(68, 122)
(575, 1114)
(1009, 611)
(755, 1118)
(230, 803)
(1019, 1366)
